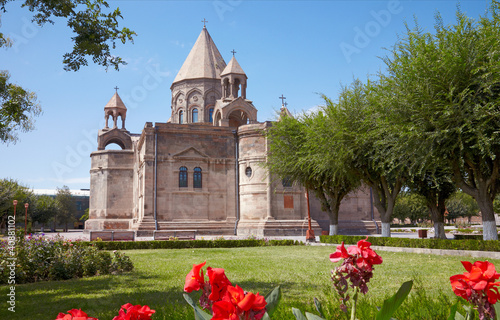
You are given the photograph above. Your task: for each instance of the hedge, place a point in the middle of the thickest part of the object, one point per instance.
(466, 244)
(188, 244)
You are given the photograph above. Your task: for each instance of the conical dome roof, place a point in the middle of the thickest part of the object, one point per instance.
(115, 103)
(233, 67)
(204, 61)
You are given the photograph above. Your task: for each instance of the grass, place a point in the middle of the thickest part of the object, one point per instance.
(303, 273)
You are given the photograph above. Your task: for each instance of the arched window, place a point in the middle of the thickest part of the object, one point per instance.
(195, 115)
(183, 177)
(181, 116)
(197, 178)
(211, 115)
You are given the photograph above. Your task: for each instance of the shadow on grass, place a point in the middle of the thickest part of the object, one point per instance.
(102, 296)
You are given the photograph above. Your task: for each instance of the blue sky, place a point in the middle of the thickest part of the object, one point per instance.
(296, 48)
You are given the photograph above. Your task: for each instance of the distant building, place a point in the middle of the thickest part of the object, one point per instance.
(81, 197)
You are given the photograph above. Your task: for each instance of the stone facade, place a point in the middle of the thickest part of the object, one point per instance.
(203, 169)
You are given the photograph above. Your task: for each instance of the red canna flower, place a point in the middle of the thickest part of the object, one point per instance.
(218, 281)
(478, 286)
(195, 279)
(363, 255)
(224, 310)
(130, 312)
(74, 314)
(247, 305)
(341, 253)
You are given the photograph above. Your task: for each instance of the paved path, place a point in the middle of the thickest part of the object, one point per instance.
(80, 235)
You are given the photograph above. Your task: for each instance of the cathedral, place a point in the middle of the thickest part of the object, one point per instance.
(203, 169)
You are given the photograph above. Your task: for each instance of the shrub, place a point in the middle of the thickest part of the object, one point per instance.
(466, 244)
(39, 259)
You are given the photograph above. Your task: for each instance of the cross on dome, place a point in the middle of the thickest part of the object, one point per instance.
(282, 99)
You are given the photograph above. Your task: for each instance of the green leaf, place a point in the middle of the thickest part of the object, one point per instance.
(458, 316)
(391, 304)
(298, 314)
(311, 316)
(272, 299)
(198, 313)
(470, 313)
(497, 310)
(453, 311)
(318, 306)
(266, 317)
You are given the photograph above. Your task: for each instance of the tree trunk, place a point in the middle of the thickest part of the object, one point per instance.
(333, 229)
(439, 230)
(386, 229)
(488, 214)
(438, 219)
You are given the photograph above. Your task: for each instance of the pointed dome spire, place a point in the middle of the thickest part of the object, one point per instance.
(204, 60)
(115, 103)
(233, 67)
(115, 108)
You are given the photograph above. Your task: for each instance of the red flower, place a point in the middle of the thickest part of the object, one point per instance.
(480, 277)
(137, 312)
(366, 257)
(74, 314)
(252, 306)
(224, 310)
(218, 281)
(195, 279)
(341, 253)
(363, 255)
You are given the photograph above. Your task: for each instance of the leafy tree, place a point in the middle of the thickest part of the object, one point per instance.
(66, 207)
(11, 190)
(411, 206)
(44, 209)
(448, 86)
(298, 151)
(367, 142)
(96, 33)
(435, 187)
(462, 205)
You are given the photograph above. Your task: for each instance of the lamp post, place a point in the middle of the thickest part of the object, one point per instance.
(15, 204)
(310, 232)
(26, 205)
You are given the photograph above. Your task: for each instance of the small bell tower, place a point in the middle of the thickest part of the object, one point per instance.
(233, 78)
(115, 108)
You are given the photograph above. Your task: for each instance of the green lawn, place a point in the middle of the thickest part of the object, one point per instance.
(303, 272)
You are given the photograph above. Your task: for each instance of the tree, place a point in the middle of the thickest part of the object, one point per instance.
(368, 143)
(11, 190)
(44, 209)
(411, 206)
(298, 151)
(448, 86)
(462, 205)
(96, 33)
(66, 207)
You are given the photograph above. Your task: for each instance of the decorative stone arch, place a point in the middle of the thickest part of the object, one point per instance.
(217, 118)
(115, 113)
(238, 117)
(208, 97)
(115, 135)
